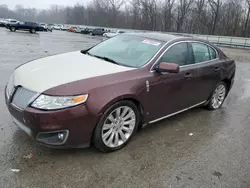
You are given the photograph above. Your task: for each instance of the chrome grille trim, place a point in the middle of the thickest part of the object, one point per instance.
(23, 97)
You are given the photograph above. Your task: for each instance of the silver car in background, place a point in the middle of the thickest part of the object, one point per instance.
(112, 34)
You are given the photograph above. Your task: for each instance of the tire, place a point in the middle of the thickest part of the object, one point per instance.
(121, 133)
(218, 96)
(33, 31)
(13, 29)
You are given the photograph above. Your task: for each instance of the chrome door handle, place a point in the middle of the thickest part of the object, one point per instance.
(216, 69)
(188, 76)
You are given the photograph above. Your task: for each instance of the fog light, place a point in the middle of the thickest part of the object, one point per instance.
(53, 138)
(61, 136)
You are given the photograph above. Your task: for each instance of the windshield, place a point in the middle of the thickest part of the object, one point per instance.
(129, 51)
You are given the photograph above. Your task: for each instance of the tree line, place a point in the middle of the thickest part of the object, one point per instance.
(214, 17)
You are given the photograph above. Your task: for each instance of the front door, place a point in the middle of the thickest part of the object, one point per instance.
(169, 92)
(21, 25)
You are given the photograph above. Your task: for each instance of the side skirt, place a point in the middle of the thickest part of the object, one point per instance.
(175, 113)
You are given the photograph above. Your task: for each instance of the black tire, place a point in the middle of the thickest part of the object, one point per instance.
(13, 29)
(97, 135)
(210, 106)
(33, 31)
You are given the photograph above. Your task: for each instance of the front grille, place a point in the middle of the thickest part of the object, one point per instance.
(22, 97)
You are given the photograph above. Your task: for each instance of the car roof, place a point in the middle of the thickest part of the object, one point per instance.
(157, 36)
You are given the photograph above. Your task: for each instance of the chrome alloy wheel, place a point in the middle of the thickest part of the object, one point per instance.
(118, 126)
(218, 96)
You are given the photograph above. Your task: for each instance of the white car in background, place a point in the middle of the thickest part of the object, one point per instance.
(78, 30)
(65, 27)
(57, 27)
(10, 21)
(2, 22)
(111, 34)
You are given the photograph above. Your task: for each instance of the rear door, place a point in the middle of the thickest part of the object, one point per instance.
(208, 67)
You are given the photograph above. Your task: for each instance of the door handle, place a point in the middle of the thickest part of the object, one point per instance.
(188, 76)
(216, 69)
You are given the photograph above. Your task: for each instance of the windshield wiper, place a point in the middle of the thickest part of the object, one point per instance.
(107, 59)
(104, 58)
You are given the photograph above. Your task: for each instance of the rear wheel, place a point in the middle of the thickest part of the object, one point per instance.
(116, 126)
(32, 31)
(218, 97)
(13, 29)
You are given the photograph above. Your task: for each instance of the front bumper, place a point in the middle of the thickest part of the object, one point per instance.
(77, 121)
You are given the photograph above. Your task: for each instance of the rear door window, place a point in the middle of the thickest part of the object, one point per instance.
(213, 54)
(201, 52)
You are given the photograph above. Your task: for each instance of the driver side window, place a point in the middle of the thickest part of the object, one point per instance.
(178, 54)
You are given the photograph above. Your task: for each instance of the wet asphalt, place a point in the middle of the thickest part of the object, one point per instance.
(164, 154)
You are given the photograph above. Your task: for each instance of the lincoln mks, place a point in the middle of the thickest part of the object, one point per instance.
(104, 94)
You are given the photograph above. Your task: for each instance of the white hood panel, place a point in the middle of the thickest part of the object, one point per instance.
(42, 74)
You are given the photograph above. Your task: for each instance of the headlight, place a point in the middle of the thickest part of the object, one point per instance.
(47, 102)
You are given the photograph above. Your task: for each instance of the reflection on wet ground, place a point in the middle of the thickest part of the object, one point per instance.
(161, 155)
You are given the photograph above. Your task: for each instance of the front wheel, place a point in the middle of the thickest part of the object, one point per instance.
(116, 126)
(13, 29)
(218, 96)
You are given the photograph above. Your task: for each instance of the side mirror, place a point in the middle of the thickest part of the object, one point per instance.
(168, 67)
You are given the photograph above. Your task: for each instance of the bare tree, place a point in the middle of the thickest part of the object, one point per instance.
(182, 10)
(114, 7)
(136, 14)
(223, 17)
(199, 13)
(215, 6)
(167, 14)
(247, 18)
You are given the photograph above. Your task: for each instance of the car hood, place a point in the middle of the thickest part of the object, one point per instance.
(43, 74)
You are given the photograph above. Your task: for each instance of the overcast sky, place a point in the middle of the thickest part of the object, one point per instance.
(39, 3)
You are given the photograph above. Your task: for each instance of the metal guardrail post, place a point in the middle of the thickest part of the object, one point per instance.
(245, 43)
(207, 37)
(218, 40)
(231, 41)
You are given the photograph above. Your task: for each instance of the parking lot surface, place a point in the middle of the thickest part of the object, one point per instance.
(198, 148)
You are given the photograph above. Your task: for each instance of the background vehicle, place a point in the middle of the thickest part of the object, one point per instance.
(65, 27)
(112, 34)
(57, 26)
(2, 22)
(11, 21)
(78, 30)
(32, 27)
(72, 29)
(87, 31)
(97, 31)
(44, 27)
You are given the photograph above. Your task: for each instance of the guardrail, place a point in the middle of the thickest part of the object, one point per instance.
(226, 41)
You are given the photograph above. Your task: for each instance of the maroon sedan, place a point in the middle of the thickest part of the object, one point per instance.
(104, 94)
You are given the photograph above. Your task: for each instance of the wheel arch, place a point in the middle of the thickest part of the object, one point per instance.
(128, 97)
(228, 82)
